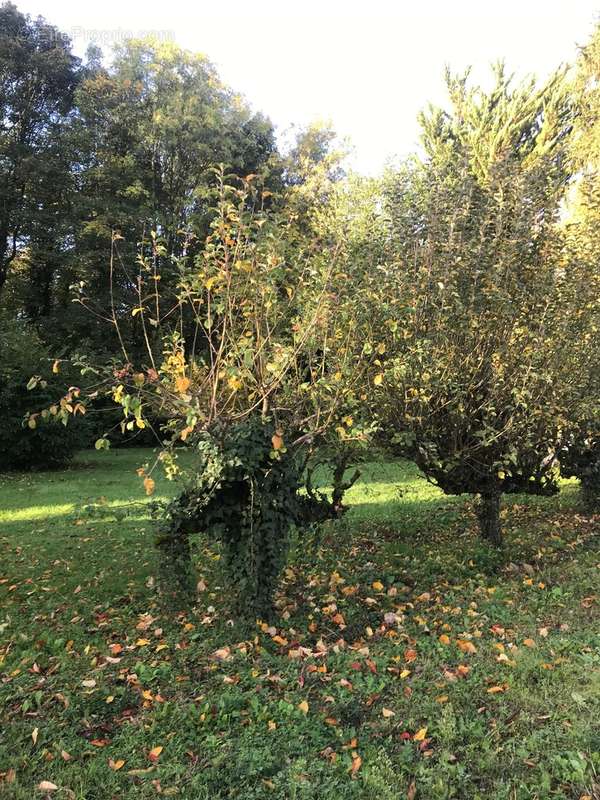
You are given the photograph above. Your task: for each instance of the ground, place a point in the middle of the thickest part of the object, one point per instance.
(406, 661)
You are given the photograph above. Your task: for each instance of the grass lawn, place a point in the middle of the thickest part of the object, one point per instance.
(407, 660)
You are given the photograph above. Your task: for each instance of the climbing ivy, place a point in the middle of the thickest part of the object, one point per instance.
(244, 494)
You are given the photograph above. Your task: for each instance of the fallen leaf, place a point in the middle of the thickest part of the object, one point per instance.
(47, 786)
(303, 706)
(466, 646)
(120, 762)
(356, 763)
(222, 654)
(34, 735)
(387, 713)
(420, 735)
(154, 754)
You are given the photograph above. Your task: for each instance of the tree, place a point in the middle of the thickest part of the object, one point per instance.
(38, 75)
(150, 129)
(580, 454)
(259, 379)
(475, 385)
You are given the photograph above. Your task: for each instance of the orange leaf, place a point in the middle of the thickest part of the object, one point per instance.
(420, 735)
(444, 639)
(154, 754)
(303, 706)
(466, 646)
(182, 384)
(116, 764)
(497, 689)
(356, 763)
(149, 486)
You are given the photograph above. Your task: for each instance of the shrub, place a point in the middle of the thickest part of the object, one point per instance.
(41, 443)
(580, 458)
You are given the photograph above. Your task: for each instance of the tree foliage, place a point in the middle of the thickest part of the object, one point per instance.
(475, 387)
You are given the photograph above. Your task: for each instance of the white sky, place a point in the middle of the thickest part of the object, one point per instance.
(368, 67)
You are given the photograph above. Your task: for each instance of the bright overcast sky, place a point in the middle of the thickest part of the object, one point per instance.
(368, 67)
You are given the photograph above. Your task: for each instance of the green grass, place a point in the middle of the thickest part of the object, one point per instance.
(94, 670)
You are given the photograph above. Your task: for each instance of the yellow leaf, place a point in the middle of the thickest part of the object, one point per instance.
(387, 713)
(185, 433)
(182, 384)
(116, 764)
(378, 586)
(149, 485)
(420, 735)
(34, 735)
(443, 698)
(378, 379)
(303, 706)
(272, 725)
(142, 642)
(56, 367)
(495, 689)
(32, 423)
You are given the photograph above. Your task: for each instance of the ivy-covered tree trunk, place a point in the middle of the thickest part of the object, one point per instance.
(488, 514)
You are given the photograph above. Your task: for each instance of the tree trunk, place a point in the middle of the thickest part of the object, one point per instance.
(488, 514)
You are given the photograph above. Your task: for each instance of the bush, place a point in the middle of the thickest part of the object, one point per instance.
(580, 458)
(49, 444)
